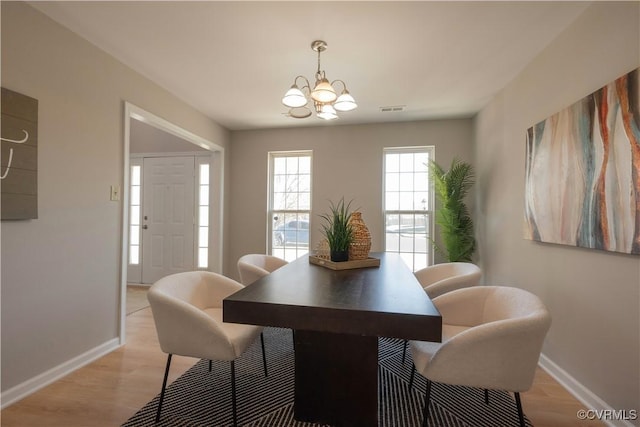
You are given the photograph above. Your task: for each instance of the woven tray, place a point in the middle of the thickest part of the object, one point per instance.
(344, 265)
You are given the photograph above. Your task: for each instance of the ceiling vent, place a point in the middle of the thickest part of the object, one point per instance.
(392, 108)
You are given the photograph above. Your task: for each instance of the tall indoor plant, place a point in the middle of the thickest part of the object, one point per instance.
(338, 230)
(452, 216)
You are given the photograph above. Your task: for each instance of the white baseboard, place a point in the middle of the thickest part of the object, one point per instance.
(580, 392)
(34, 384)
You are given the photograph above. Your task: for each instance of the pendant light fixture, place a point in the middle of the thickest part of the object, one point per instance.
(326, 101)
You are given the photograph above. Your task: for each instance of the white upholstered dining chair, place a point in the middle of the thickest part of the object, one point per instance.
(187, 311)
(438, 279)
(252, 267)
(491, 338)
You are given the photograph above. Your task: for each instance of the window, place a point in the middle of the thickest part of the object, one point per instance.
(203, 215)
(134, 214)
(408, 204)
(289, 203)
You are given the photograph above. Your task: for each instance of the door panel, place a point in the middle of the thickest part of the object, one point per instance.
(168, 203)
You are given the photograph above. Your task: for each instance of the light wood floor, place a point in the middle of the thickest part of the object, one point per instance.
(110, 390)
(136, 298)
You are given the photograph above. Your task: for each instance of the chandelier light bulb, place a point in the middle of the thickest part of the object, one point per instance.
(327, 112)
(294, 97)
(323, 92)
(345, 102)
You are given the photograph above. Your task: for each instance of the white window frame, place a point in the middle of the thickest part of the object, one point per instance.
(272, 155)
(135, 221)
(203, 214)
(429, 208)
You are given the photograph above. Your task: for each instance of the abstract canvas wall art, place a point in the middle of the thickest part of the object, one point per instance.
(582, 171)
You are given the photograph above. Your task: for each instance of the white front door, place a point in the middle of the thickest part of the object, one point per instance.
(168, 217)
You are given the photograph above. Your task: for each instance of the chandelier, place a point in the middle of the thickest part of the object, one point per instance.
(326, 101)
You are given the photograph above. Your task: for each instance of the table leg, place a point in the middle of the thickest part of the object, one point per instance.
(336, 378)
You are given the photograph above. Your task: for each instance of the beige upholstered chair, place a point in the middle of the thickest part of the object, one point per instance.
(254, 266)
(491, 338)
(439, 279)
(187, 310)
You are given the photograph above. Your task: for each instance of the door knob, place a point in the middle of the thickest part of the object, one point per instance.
(144, 227)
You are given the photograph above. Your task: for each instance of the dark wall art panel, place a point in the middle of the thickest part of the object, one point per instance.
(19, 156)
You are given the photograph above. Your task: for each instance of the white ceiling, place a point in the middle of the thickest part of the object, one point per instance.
(233, 61)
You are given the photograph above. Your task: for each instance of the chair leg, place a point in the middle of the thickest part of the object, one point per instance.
(486, 396)
(519, 405)
(233, 393)
(264, 357)
(427, 398)
(164, 385)
(404, 351)
(413, 374)
(210, 365)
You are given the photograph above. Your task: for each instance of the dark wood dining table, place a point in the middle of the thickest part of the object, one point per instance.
(337, 317)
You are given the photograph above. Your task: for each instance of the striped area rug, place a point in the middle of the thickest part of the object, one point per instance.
(201, 398)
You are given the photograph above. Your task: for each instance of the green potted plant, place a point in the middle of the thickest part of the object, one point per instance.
(338, 230)
(452, 216)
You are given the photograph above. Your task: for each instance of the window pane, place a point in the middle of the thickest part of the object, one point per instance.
(204, 174)
(406, 181)
(420, 201)
(420, 162)
(135, 175)
(304, 201)
(204, 216)
(291, 201)
(135, 195)
(406, 161)
(392, 201)
(134, 255)
(135, 215)
(279, 183)
(203, 257)
(204, 195)
(304, 183)
(279, 165)
(392, 162)
(406, 201)
(292, 165)
(304, 164)
(203, 236)
(292, 183)
(134, 235)
(421, 181)
(392, 182)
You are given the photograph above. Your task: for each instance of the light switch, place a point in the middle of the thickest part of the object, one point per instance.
(115, 193)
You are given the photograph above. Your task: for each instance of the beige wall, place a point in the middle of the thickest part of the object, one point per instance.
(61, 272)
(347, 161)
(593, 295)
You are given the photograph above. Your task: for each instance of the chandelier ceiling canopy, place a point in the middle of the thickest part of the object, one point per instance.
(323, 96)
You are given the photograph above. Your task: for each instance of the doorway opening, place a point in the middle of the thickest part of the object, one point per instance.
(174, 159)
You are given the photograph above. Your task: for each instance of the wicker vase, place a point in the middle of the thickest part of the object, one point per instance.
(361, 244)
(322, 249)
